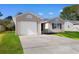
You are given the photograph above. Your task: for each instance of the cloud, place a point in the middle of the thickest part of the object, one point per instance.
(61, 10)
(51, 13)
(40, 13)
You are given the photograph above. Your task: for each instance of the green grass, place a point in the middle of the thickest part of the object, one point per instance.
(73, 35)
(10, 43)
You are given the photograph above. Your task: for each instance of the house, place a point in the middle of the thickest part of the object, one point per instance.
(54, 25)
(2, 27)
(27, 24)
(31, 24)
(71, 25)
(11, 26)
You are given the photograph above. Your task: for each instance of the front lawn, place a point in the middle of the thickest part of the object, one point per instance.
(73, 35)
(10, 43)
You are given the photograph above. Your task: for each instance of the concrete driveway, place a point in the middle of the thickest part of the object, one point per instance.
(45, 44)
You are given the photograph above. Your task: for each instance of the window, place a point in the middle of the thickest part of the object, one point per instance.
(56, 25)
(53, 25)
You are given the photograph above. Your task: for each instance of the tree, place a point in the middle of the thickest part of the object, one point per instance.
(8, 22)
(70, 13)
(8, 18)
(1, 14)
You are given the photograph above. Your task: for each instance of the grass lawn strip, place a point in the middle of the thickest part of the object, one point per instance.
(73, 35)
(10, 43)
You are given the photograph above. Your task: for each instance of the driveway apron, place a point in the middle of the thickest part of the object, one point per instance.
(46, 44)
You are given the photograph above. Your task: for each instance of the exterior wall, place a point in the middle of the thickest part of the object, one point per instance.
(39, 28)
(48, 27)
(68, 26)
(2, 28)
(57, 21)
(58, 28)
(62, 27)
(24, 18)
(17, 28)
(14, 20)
(76, 28)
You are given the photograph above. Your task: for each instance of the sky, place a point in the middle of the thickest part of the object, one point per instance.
(43, 10)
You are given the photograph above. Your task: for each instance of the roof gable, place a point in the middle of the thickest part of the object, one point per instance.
(73, 22)
(56, 20)
(27, 17)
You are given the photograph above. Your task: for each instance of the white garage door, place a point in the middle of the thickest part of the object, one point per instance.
(27, 28)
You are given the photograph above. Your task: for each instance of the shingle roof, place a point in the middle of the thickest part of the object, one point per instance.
(56, 19)
(74, 22)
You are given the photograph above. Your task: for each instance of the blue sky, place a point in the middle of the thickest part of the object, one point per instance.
(43, 10)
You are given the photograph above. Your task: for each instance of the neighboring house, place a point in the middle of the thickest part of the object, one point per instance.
(11, 26)
(71, 25)
(7, 25)
(30, 24)
(2, 28)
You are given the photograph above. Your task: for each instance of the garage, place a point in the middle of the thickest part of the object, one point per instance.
(27, 24)
(27, 28)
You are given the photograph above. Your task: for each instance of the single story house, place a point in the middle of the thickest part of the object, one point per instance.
(27, 24)
(53, 25)
(2, 27)
(71, 25)
(31, 24)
